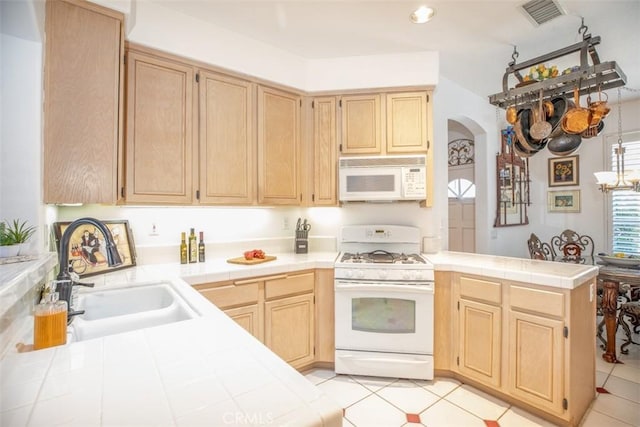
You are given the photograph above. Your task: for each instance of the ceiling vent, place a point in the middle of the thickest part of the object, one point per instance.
(541, 11)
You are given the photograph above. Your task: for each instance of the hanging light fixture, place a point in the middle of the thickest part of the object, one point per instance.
(620, 179)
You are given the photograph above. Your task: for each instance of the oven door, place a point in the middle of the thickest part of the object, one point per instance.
(387, 317)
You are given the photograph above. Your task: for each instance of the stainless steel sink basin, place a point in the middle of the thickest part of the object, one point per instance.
(126, 309)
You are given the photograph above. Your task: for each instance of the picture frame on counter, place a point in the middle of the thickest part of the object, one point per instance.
(564, 171)
(87, 252)
(563, 201)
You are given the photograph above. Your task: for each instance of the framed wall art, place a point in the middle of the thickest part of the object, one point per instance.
(563, 201)
(87, 251)
(564, 171)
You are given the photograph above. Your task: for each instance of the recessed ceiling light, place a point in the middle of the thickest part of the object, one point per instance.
(422, 14)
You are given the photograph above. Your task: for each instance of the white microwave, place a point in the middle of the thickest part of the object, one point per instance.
(382, 178)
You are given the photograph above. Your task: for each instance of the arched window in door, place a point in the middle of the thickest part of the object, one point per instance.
(461, 188)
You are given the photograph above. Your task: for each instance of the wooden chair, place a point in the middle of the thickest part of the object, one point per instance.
(538, 249)
(570, 246)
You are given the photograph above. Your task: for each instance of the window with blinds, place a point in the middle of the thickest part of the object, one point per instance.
(625, 204)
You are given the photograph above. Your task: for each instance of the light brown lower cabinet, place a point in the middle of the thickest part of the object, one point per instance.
(279, 310)
(533, 346)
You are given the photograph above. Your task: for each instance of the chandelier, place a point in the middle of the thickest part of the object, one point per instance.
(620, 179)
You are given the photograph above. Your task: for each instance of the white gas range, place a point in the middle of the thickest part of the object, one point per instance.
(383, 303)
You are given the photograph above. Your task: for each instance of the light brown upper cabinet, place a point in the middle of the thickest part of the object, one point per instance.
(361, 124)
(324, 152)
(82, 103)
(227, 140)
(402, 128)
(278, 147)
(160, 130)
(407, 122)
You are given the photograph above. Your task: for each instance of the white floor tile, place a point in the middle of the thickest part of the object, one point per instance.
(623, 388)
(618, 408)
(374, 411)
(439, 386)
(626, 371)
(477, 402)
(446, 414)
(516, 417)
(597, 419)
(373, 383)
(601, 365)
(317, 376)
(346, 423)
(408, 396)
(344, 390)
(601, 378)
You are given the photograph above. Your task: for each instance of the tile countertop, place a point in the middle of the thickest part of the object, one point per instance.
(545, 273)
(204, 371)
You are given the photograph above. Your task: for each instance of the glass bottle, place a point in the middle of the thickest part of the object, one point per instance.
(183, 248)
(193, 246)
(201, 248)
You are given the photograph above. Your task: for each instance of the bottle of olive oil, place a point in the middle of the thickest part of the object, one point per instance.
(193, 247)
(201, 248)
(183, 248)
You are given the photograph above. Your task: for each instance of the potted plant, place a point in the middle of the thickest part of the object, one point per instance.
(13, 236)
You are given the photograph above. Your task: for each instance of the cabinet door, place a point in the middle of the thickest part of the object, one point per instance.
(480, 341)
(407, 122)
(159, 130)
(324, 152)
(361, 124)
(536, 360)
(289, 328)
(278, 147)
(248, 318)
(227, 141)
(82, 103)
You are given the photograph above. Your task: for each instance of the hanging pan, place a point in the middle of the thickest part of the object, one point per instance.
(577, 119)
(564, 144)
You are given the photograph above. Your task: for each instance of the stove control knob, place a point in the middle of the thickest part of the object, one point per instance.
(419, 275)
(405, 275)
(349, 273)
(382, 274)
(359, 274)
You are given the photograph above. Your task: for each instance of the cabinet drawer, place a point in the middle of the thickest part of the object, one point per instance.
(537, 300)
(232, 295)
(482, 290)
(290, 285)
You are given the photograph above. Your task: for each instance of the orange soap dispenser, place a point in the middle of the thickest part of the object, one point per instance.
(50, 322)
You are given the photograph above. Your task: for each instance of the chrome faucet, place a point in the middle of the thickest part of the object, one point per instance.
(65, 282)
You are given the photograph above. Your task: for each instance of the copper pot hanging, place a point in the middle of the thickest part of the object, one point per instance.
(577, 119)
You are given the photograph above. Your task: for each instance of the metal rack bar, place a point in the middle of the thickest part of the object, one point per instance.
(588, 78)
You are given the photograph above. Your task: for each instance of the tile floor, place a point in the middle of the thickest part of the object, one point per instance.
(389, 402)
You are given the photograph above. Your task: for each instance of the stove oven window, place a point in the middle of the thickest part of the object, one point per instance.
(383, 315)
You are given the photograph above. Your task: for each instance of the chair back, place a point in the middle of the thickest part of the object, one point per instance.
(570, 245)
(538, 249)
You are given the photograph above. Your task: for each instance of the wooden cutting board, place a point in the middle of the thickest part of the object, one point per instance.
(242, 260)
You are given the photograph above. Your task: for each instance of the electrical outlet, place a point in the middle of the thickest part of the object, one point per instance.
(286, 225)
(154, 230)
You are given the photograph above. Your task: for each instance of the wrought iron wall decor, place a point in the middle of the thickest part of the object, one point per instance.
(461, 152)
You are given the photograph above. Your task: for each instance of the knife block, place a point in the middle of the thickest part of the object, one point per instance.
(302, 242)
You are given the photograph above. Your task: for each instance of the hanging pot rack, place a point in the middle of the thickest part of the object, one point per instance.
(598, 75)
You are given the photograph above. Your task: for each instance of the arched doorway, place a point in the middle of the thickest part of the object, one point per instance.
(461, 189)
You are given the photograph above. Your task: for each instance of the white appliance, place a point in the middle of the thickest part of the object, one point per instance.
(383, 303)
(382, 178)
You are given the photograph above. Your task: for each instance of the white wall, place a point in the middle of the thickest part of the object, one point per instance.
(21, 118)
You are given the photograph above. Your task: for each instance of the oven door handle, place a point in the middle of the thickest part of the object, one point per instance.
(398, 288)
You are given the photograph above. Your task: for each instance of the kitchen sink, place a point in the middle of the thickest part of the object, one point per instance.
(126, 309)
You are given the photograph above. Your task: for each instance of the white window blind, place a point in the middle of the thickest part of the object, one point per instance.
(625, 205)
